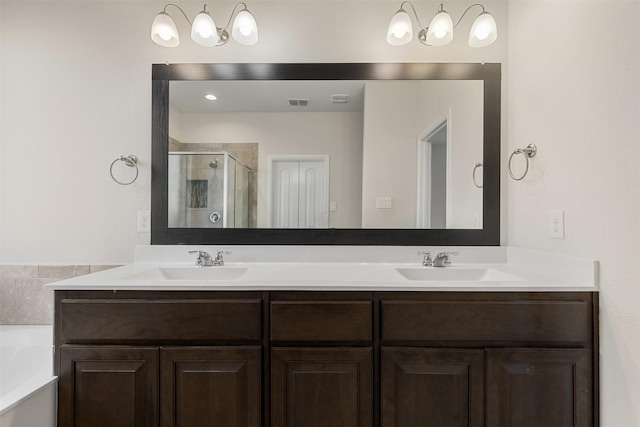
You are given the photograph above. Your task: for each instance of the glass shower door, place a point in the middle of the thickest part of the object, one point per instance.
(208, 190)
(196, 190)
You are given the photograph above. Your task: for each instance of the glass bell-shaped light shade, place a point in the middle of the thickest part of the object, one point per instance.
(164, 31)
(400, 29)
(441, 29)
(245, 29)
(484, 31)
(204, 31)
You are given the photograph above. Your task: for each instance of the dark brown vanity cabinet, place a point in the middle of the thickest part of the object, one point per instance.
(432, 387)
(322, 359)
(149, 359)
(281, 359)
(210, 386)
(539, 387)
(488, 359)
(320, 387)
(121, 386)
(108, 386)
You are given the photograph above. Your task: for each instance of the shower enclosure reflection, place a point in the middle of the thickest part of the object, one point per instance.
(208, 190)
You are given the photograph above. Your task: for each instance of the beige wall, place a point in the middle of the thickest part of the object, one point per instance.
(574, 91)
(74, 98)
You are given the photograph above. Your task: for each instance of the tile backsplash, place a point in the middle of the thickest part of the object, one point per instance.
(23, 300)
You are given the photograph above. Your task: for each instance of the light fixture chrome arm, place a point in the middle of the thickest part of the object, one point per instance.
(467, 10)
(233, 13)
(180, 9)
(415, 14)
(422, 34)
(222, 31)
(400, 31)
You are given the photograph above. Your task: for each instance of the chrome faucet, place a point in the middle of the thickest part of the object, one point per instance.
(204, 259)
(443, 260)
(219, 260)
(426, 261)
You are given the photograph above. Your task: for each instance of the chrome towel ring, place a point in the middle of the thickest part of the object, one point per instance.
(529, 151)
(475, 182)
(131, 161)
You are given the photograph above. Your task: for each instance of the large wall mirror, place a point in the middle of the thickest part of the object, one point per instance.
(351, 154)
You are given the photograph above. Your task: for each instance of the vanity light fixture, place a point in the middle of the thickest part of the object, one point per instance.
(203, 28)
(483, 32)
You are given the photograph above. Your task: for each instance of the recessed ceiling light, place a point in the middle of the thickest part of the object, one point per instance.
(211, 97)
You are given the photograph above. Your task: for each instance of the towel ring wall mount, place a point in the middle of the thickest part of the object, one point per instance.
(475, 181)
(131, 161)
(528, 152)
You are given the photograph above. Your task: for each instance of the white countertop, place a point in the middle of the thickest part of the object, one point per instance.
(323, 268)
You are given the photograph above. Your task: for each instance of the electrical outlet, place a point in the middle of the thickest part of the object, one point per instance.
(383, 203)
(144, 221)
(333, 206)
(556, 224)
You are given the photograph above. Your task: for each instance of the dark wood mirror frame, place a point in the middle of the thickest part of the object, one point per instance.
(489, 235)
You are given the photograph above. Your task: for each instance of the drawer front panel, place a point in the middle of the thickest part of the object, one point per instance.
(565, 323)
(118, 320)
(323, 321)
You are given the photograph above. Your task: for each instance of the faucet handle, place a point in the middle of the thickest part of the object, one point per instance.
(426, 261)
(450, 253)
(219, 260)
(197, 252)
(201, 254)
(204, 258)
(445, 255)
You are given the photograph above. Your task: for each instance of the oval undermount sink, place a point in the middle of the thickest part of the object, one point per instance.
(189, 273)
(435, 274)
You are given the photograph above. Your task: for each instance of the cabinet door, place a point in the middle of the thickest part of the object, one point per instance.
(211, 386)
(321, 387)
(432, 387)
(533, 388)
(108, 386)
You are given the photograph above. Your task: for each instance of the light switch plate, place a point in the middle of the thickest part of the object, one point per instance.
(556, 224)
(383, 203)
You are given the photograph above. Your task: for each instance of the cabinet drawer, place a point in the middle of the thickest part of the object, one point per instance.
(160, 320)
(498, 322)
(323, 321)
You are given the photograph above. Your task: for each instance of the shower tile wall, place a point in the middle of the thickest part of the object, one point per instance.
(23, 301)
(245, 153)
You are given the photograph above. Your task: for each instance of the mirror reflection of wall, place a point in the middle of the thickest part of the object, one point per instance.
(397, 113)
(372, 143)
